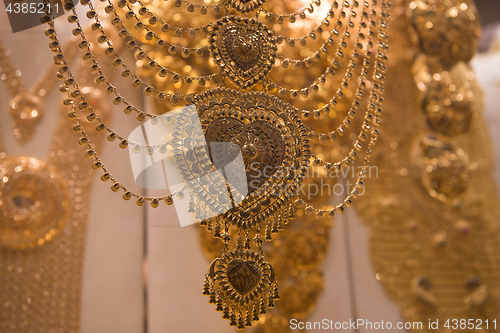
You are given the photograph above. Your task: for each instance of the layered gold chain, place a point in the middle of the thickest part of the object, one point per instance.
(240, 99)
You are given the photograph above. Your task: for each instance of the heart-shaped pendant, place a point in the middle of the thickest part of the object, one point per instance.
(242, 275)
(241, 281)
(268, 136)
(243, 49)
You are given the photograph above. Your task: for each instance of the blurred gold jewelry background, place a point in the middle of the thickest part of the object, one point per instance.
(43, 221)
(434, 212)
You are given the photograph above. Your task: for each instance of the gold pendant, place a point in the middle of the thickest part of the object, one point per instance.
(34, 202)
(275, 151)
(243, 49)
(242, 285)
(26, 112)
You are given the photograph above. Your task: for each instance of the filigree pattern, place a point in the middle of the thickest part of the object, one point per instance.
(269, 135)
(256, 132)
(245, 6)
(243, 49)
(241, 282)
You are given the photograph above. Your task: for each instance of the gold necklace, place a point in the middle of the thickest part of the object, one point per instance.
(43, 219)
(243, 52)
(26, 106)
(297, 252)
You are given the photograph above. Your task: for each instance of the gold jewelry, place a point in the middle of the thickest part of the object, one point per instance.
(433, 211)
(268, 130)
(43, 211)
(26, 107)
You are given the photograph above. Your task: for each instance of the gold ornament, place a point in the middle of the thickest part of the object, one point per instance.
(43, 219)
(264, 128)
(238, 283)
(433, 211)
(244, 6)
(26, 107)
(44, 209)
(447, 172)
(34, 204)
(243, 49)
(447, 30)
(272, 140)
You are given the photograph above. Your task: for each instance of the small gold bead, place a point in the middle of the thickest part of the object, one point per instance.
(127, 195)
(96, 165)
(100, 127)
(160, 96)
(83, 140)
(148, 90)
(112, 136)
(162, 72)
(299, 203)
(141, 116)
(123, 144)
(169, 200)
(83, 105)
(155, 203)
(91, 116)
